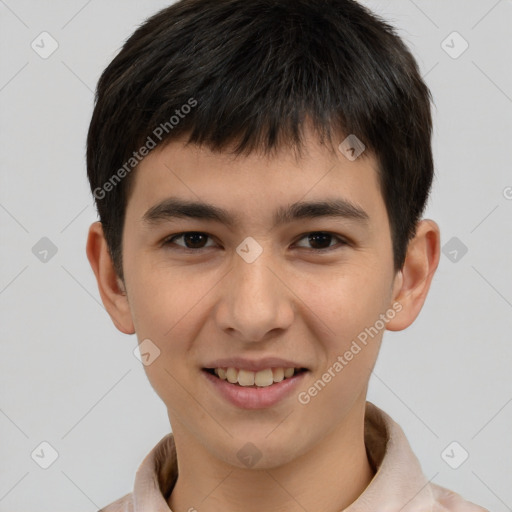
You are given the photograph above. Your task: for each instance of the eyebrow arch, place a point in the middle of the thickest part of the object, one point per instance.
(171, 208)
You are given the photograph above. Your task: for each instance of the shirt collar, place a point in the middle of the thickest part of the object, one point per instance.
(399, 484)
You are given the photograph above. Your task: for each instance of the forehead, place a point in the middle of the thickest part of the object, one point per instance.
(245, 186)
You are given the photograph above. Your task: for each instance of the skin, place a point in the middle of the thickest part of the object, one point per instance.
(292, 302)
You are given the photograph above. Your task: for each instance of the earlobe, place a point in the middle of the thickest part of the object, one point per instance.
(412, 282)
(112, 289)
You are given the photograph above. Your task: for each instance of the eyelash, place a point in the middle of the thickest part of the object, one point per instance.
(169, 241)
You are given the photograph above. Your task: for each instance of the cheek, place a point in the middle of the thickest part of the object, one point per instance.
(350, 305)
(344, 301)
(347, 304)
(165, 304)
(164, 300)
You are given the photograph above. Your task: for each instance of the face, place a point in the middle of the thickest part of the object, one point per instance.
(258, 291)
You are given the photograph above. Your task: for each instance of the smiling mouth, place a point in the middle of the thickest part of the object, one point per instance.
(260, 379)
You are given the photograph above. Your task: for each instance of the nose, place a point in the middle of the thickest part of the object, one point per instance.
(255, 303)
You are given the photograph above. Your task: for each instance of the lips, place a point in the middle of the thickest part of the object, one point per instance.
(254, 373)
(254, 383)
(247, 396)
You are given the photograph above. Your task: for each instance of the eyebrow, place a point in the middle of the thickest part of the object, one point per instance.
(172, 208)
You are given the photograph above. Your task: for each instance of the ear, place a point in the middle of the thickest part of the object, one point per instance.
(111, 287)
(412, 282)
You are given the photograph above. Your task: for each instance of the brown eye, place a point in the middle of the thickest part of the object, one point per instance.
(320, 240)
(192, 240)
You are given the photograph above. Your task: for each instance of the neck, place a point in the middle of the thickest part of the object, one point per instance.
(328, 477)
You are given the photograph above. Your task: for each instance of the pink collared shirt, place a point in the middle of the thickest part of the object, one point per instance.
(399, 484)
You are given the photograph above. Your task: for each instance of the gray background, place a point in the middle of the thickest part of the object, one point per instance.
(71, 379)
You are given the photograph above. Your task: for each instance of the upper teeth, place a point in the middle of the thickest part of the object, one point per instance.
(248, 378)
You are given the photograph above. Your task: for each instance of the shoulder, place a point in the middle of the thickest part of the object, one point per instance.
(449, 501)
(124, 504)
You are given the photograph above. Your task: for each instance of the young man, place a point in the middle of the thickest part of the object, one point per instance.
(260, 169)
